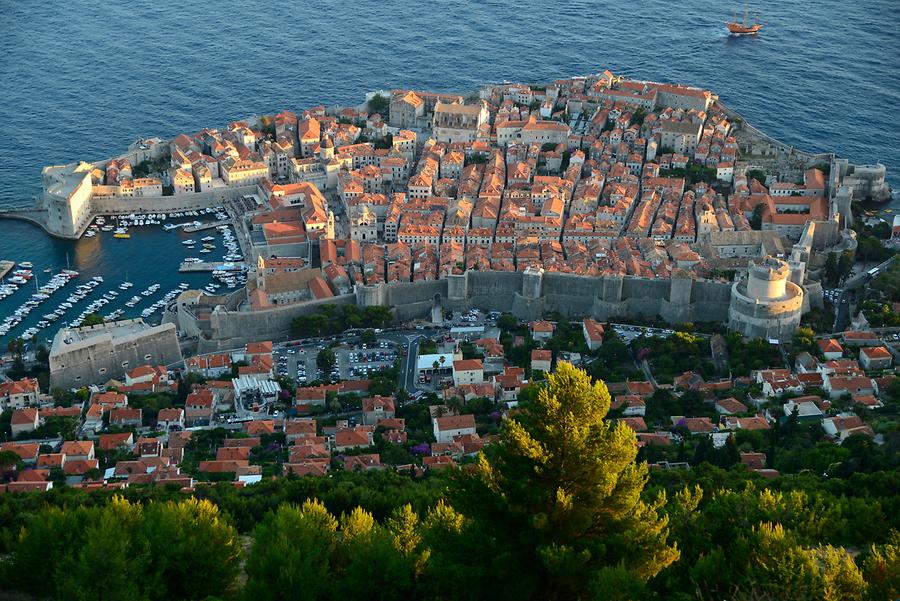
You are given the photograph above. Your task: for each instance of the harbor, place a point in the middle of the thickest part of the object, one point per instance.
(123, 266)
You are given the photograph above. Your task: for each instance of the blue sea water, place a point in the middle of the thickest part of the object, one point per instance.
(83, 79)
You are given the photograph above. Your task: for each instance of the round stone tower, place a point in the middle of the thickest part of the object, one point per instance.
(768, 279)
(766, 304)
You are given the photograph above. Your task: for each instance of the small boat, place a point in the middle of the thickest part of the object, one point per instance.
(121, 235)
(26, 264)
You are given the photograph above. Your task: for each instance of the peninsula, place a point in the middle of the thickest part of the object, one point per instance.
(592, 196)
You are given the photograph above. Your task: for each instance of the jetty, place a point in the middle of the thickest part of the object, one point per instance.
(6, 267)
(190, 229)
(188, 267)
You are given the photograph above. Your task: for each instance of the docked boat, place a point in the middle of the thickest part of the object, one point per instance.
(189, 242)
(26, 264)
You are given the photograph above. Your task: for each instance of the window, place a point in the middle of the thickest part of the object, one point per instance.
(102, 370)
(147, 357)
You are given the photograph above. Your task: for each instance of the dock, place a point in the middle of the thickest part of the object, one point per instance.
(6, 267)
(211, 266)
(190, 229)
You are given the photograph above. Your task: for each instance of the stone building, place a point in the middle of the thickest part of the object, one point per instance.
(458, 122)
(766, 304)
(67, 197)
(95, 354)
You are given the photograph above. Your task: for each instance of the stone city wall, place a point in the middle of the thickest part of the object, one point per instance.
(676, 300)
(167, 204)
(232, 329)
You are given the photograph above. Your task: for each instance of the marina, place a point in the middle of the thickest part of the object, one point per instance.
(111, 276)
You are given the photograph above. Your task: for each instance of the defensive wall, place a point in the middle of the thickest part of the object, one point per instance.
(233, 329)
(115, 205)
(527, 295)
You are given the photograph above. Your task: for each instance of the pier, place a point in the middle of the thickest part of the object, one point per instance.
(190, 229)
(6, 267)
(211, 266)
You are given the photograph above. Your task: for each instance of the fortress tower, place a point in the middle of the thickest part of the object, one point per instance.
(766, 304)
(67, 197)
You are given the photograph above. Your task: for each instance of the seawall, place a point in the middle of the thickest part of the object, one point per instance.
(139, 205)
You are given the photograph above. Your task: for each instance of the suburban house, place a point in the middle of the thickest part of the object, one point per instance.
(377, 408)
(172, 416)
(468, 371)
(24, 420)
(77, 449)
(857, 338)
(845, 425)
(542, 330)
(593, 333)
(19, 393)
(831, 348)
(346, 439)
(118, 440)
(126, 417)
(631, 405)
(199, 407)
(875, 357)
(299, 430)
(730, 406)
(837, 386)
(541, 360)
(448, 427)
(806, 407)
(110, 400)
(27, 451)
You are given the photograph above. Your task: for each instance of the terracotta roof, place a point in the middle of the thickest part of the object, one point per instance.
(455, 422)
(467, 365)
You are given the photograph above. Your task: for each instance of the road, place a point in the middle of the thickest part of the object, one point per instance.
(842, 312)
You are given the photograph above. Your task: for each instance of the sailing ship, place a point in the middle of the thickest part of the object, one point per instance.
(745, 27)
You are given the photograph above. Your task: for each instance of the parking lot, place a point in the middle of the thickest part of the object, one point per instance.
(353, 362)
(629, 333)
(364, 360)
(471, 318)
